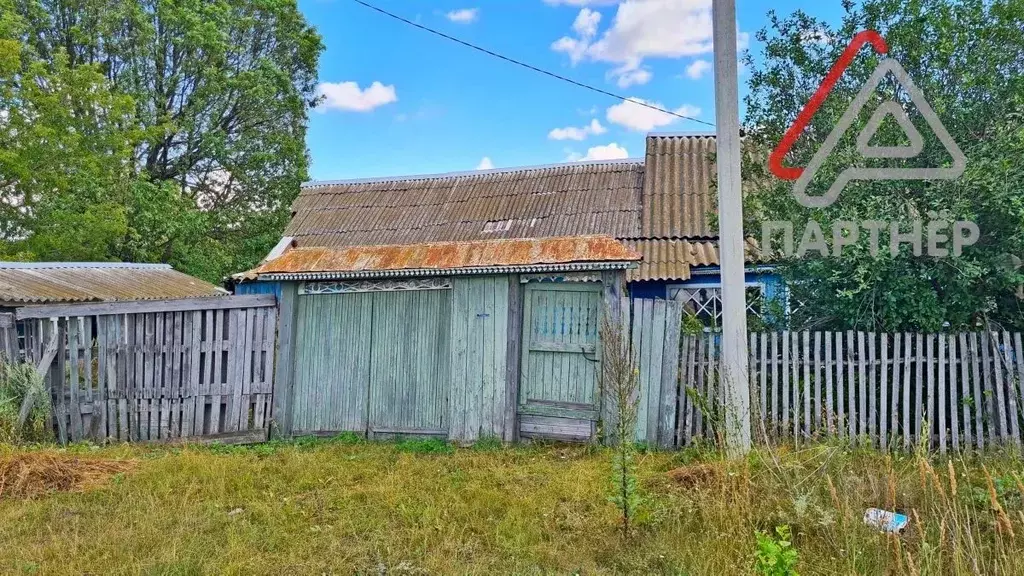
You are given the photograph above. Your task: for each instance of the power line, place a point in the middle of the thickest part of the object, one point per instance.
(525, 65)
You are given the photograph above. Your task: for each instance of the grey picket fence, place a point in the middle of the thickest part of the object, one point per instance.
(949, 391)
(157, 370)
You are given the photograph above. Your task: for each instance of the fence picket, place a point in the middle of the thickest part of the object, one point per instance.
(872, 386)
(954, 424)
(805, 359)
(776, 387)
(979, 424)
(763, 373)
(785, 384)
(1019, 380)
(996, 424)
(1011, 388)
(883, 394)
(830, 362)
(942, 395)
(817, 383)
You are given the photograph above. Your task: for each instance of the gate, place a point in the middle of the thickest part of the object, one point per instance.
(559, 392)
(372, 358)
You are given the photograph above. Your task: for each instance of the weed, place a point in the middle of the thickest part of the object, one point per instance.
(488, 444)
(425, 446)
(775, 554)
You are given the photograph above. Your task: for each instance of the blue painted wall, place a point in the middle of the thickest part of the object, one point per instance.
(259, 288)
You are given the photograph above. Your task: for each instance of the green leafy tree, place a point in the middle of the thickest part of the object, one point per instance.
(967, 57)
(193, 119)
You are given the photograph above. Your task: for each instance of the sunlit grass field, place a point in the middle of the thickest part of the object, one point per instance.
(342, 506)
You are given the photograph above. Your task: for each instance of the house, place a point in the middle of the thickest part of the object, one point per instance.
(469, 304)
(39, 284)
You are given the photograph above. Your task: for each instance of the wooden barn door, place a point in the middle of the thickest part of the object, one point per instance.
(410, 363)
(559, 392)
(332, 362)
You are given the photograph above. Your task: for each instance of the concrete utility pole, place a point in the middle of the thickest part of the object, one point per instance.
(735, 376)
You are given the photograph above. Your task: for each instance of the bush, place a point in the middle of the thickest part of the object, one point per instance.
(775, 555)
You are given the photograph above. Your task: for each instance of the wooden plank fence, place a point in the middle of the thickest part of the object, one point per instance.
(951, 392)
(8, 338)
(158, 370)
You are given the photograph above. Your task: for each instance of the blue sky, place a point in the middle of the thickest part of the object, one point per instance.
(402, 101)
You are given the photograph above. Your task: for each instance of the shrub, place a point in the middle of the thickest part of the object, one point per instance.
(775, 555)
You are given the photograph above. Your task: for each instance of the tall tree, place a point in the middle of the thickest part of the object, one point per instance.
(967, 57)
(219, 92)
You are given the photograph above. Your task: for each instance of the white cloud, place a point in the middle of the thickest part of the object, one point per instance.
(463, 16)
(607, 152)
(574, 133)
(485, 164)
(348, 96)
(646, 29)
(643, 119)
(580, 2)
(697, 69)
(585, 26)
(586, 23)
(628, 77)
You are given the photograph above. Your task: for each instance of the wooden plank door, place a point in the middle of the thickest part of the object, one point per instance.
(559, 392)
(410, 363)
(332, 367)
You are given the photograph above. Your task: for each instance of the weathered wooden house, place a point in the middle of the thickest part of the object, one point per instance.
(467, 305)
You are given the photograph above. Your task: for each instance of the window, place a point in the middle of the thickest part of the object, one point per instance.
(705, 301)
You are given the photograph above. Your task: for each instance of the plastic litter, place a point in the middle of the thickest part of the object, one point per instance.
(885, 520)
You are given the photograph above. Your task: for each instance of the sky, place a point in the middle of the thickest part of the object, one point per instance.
(401, 101)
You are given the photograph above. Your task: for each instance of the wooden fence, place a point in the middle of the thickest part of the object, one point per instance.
(8, 338)
(157, 370)
(950, 391)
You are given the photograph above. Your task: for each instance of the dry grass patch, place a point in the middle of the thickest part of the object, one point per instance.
(33, 474)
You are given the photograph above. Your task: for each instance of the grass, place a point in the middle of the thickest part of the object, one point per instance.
(348, 506)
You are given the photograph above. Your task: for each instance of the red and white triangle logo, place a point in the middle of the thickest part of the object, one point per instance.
(803, 176)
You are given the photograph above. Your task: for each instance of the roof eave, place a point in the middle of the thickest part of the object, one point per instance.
(471, 271)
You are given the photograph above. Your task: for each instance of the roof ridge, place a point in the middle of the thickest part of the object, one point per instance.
(94, 265)
(459, 174)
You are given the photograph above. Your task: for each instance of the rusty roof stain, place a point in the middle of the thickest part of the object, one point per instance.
(55, 282)
(450, 255)
(663, 205)
(672, 259)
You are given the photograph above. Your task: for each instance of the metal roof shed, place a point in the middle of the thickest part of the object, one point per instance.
(35, 283)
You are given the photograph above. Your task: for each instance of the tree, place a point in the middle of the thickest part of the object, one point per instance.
(210, 101)
(967, 57)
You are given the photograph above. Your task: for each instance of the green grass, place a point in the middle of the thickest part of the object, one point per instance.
(343, 505)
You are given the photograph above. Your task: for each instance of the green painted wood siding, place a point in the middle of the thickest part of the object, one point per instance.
(479, 327)
(409, 364)
(560, 344)
(332, 362)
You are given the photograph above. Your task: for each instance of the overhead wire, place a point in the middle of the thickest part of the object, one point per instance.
(529, 66)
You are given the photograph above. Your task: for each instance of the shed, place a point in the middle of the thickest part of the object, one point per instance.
(460, 339)
(468, 304)
(36, 284)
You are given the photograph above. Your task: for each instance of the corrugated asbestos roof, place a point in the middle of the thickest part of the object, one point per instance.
(450, 255)
(52, 282)
(677, 197)
(672, 259)
(663, 205)
(571, 199)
